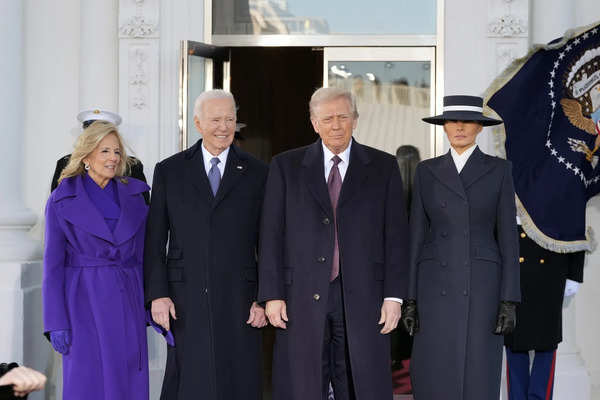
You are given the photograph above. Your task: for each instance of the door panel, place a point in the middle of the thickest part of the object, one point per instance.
(203, 67)
(394, 88)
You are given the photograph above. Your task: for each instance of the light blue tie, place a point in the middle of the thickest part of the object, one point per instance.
(214, 175)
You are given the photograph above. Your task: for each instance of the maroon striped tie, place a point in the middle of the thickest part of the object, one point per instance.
(334, 185)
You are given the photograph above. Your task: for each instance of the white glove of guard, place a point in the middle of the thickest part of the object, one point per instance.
(571, 287)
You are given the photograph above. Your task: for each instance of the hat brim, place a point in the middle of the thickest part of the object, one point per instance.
(462, 116)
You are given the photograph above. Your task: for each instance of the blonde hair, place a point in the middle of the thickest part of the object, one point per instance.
(87, 142)
(326, 94)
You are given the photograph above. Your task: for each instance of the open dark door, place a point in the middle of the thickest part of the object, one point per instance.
(202, 67)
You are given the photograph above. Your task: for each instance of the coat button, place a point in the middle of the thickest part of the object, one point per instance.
(444, 234)
(326, 221)
(316, 296)
(521, 259)
(321, 259)
(523, 235)
(542, 261)
(465, 292)
(444, 264)
(443, 293)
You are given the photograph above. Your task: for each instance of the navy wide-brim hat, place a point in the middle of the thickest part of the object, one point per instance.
(462, 108)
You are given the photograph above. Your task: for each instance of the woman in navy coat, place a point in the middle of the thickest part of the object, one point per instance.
(93, 288)
(464, 270)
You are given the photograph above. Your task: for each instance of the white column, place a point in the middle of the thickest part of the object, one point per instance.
(99, 55)
(20, 273)
(15, 219)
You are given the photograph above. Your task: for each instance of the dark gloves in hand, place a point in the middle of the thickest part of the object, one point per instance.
(410, 317)
(507, 318)
(61, 340)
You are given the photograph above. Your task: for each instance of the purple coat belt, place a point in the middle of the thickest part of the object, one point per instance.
(130, 289)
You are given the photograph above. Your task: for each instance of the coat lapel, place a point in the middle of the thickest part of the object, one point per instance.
(133, 209)
(477, 166)
(75, 206)
(235, 168)
(356, 174)
(314, 176)
(445, 171)
(196, 173)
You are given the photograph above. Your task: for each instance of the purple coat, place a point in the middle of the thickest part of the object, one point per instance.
(93, 286)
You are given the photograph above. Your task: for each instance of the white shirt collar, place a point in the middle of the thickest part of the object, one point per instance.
(342, 166)
(207, 157)
(461, 159)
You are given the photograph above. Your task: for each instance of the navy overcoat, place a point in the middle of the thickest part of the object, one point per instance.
(297, 241)
(209, 272)
(463, 262)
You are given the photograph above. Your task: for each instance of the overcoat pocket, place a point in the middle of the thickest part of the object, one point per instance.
(251, 274)
(428, 252)
(487, 254)
(287, 276)
(175, 274)
(379, 272)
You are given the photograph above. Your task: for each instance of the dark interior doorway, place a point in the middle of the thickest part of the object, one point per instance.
(272, 87)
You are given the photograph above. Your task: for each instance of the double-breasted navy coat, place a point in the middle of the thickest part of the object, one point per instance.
(209, 272)
(297, 241)
(463, 262)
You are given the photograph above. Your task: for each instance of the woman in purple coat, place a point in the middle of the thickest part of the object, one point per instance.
(92, 288)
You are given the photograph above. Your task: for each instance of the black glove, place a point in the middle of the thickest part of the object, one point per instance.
(410, 317)
(507, 318)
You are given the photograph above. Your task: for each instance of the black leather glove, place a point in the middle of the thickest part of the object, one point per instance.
(410, 317)
(507, 318)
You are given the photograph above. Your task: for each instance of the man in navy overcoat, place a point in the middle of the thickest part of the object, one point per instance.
(333, 293)
(206, 204)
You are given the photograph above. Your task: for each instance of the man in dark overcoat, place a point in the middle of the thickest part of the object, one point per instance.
(206, 204)
(333, 260)
(544, 276)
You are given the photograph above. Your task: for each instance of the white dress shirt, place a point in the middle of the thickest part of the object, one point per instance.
(343, 167)
(207, 157)
(461, 159)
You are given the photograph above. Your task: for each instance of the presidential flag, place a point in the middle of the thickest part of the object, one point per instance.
(550, 104)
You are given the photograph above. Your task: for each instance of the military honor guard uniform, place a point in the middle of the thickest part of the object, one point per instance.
(539, 318)
(87, 117)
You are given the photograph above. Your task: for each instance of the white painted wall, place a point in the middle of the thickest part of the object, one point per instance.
(465, 59)
(51, 93)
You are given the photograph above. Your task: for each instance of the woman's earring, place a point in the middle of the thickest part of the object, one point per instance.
(86, 166)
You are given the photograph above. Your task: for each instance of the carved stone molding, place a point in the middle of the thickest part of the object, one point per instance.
(138, 18)
(138, 78)
(506, 53)
(507, 25)
(508, 18)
